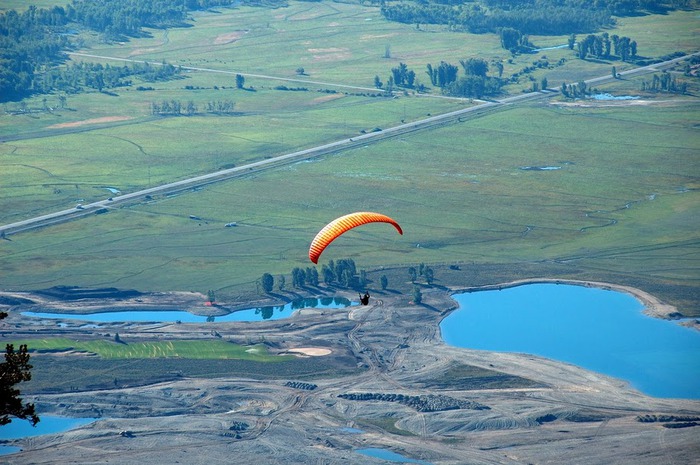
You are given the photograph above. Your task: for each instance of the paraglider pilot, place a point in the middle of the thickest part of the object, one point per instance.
(364, 298)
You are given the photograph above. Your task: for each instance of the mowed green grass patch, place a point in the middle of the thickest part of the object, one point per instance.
(160, 349)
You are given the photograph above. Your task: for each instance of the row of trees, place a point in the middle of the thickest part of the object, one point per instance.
(553, 17)
(474, 83)
(342, 273)
(664, 83)
(578, 90)
(600, 46)
(546, 18)
(33, 42)
(78, 76)
(129, 17)
(177, 108)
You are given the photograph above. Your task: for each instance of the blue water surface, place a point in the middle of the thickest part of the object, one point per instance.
(171, 316)
(47, 425)
(601, 330)
(388, 455)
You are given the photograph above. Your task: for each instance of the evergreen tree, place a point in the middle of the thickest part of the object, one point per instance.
(14, 370)
(412, 274)
(384, 281)
(417, 295)
(328, 274)
(429, 276)
(267, 282)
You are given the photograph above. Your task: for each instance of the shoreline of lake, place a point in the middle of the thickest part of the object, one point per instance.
(196, 303)
(653, 307)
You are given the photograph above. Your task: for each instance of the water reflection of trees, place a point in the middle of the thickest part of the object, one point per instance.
(267, 312)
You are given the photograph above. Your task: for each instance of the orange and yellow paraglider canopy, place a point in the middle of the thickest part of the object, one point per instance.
(340, 225)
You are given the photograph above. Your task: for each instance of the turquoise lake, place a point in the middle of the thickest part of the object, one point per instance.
(600, 330)
(172, 316)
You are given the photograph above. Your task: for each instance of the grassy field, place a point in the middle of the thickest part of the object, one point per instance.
(161, 349)
(21, 5)
(625, 198)
(623, 204)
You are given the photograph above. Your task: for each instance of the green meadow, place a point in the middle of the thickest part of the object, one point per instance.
(162, 349)
(621, 205)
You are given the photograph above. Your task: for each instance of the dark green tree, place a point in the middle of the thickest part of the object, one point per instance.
(298, 277)
(328, 274)
(412, 274)
(281, 282)
(429, 275)
(384, 281)
(14, 370)
(475, 66)
(510, 38)
(417, 295)
(312, 276)
(267, 282)
(240, 81)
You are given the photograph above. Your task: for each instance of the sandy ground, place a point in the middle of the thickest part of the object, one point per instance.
(409, 393)
(311, 351)
(104, 119)
(228, 38)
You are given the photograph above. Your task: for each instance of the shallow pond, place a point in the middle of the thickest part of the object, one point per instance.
(601, 330)
(388, 455)
(172, 316)
(48, 425)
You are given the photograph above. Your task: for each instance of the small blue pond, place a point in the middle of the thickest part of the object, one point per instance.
(388, 455)
(253, 314)
(604, 331)
(19, 429)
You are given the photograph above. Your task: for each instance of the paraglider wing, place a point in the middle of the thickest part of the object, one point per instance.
(340, 225)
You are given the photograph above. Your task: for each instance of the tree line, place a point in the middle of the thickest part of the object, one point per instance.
(600, 46)
(189, 108)
(543, 17)
(474, 83)
(342, 273)
(664, 83)
(76, 77)
(33, 42)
